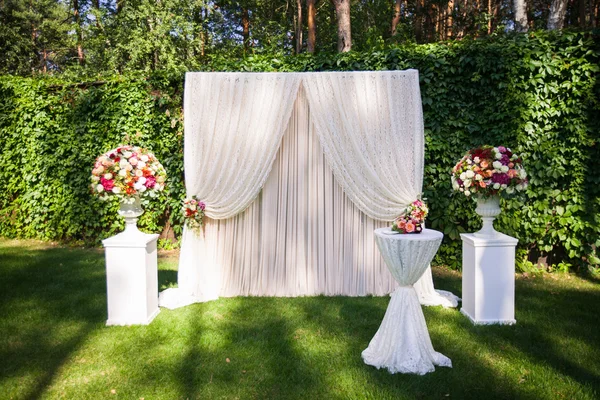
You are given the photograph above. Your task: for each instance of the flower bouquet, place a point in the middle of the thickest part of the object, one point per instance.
(193, 213)
(487, 171)
(411, 220)
(127, 172)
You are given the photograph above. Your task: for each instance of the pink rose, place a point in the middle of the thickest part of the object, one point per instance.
(202, 205)
(133, 161)
(108, 184)
(409, 227)
(150, 182)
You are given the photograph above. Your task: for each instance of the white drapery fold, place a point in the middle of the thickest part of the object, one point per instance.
(233, 127)
(370, 125)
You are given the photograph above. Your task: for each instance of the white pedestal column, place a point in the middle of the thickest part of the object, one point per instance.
(131, 278)
(488, 279)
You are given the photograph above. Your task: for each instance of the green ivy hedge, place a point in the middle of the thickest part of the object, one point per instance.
(538, 94)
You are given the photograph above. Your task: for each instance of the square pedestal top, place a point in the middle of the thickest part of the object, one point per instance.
(130, 239)
(500, 240)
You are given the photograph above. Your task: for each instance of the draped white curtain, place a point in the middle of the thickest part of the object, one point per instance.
(370, 125)
(233, 128)
(303, 234)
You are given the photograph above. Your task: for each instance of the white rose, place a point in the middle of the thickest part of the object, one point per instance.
(108, 176)
(504, 168)
(497, 165)
(498, 154)
(476, 160)
(478, 177)
(510, 190)
(144, 158)
(100, 188)
(95, 178)
(123, 173)
(159, 187)
(520, 187)
(142, 189)
(128, 167)
(469, 161)
(138, 186)
(467, 183)
(522, 174)
(470, 174)
(100, 169)
(116, 190)
(123, 163)
(504, 186)
(142, 180)
(141, 164)
(467, 193)
(139, 172)
(463, 176)
(127, 154)
(496, 185)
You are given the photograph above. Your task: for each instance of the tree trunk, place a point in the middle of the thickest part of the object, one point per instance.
(312, 26)
(79, 32)
(449, 20)
(437, 25)
(495, 16)
(419, 21)
(489, 11)
(520, 9)
(396, 18)
(558, 10)
(246, 29)
(582, 13)
(120, 5)
(299, 27)
(342, 12)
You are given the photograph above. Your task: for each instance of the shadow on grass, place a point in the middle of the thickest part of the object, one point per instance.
(167, 278)
(51, 300)
(252, 356)
(560, 322)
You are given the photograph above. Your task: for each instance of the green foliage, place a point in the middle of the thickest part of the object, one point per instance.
(51, 132)
(538, 94)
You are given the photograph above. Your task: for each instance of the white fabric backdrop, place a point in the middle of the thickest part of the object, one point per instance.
(302, 235)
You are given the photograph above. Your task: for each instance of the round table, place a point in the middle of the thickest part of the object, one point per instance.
(402, 342)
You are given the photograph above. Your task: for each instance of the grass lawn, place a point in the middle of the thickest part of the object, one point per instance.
(53, 342)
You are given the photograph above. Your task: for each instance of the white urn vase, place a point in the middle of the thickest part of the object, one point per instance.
(131, 209)
(488, 209)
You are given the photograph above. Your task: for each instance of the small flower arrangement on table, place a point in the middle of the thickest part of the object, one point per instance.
(412, 219)
(488, 171)
(126, 172)
(193, 213)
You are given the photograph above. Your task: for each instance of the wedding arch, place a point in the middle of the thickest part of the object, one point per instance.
(297, 170)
